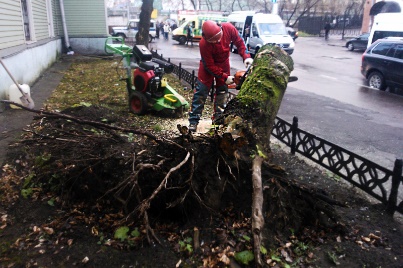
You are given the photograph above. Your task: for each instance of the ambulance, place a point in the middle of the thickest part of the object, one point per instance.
(180, 33)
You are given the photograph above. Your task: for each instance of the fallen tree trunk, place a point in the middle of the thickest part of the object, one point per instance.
(253, 111)
(251, 114)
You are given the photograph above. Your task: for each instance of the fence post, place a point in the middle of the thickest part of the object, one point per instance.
(396, 180)
(294, 128)
(193, 79)
(180, 71)
(169, 60)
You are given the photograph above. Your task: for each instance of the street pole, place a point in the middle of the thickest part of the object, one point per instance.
(128, 11)
(366, 18)
(275, 7)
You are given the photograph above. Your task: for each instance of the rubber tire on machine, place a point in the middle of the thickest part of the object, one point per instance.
(182, 40)
(376, 80)
(350, 47)
(138, 103)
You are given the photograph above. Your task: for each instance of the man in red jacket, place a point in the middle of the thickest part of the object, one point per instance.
(214, 64)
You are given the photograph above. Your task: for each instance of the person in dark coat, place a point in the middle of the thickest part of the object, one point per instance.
(189, 34)
(157, 30)
(174, 26)
(327, 30)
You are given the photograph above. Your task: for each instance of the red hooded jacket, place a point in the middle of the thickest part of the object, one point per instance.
(215, 56)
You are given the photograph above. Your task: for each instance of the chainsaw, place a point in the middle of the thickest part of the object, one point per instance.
(240, 77)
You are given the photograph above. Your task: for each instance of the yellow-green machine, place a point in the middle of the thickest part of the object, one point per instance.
(147, 88)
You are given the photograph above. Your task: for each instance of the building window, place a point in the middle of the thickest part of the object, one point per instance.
(27, 18)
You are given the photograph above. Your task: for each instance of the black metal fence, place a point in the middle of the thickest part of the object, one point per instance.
(363, 173)
(315, 25)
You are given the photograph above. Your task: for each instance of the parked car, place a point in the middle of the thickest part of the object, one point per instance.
(382, 63)
(293, 33)
(131, 30)
(360, 42)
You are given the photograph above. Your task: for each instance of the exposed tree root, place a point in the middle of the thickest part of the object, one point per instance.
(257, 209)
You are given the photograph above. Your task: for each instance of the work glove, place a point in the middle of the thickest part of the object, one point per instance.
(230, 80)
(248, 62)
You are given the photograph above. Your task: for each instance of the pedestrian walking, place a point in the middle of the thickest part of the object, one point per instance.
(166, 30)
(189, 34)
(157, 30)
(327, 30)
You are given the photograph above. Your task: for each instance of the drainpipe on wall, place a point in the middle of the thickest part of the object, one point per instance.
(66, 35)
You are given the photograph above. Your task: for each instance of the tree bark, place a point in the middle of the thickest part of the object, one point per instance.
(253, 111)
(144, 23)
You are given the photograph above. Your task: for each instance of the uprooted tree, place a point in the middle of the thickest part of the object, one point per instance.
(133, 173)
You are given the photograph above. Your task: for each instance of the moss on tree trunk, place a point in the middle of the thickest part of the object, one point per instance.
(260, 96)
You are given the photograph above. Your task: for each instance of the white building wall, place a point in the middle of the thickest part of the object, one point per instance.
(28, 65)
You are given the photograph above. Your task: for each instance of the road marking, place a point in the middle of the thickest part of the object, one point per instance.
(330, 77)
(366, 86)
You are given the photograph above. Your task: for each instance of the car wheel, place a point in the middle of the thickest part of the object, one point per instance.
(350, 47)
(121, 36)
(376, 80)
(182, 40)
(138, 103)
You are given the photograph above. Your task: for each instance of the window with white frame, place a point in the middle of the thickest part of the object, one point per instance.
(28, 20)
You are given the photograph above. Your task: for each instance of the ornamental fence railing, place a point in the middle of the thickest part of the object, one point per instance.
(379, 182)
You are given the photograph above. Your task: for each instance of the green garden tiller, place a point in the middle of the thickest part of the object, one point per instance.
(147, 88)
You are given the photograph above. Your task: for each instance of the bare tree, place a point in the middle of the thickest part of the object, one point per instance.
(302, 8)
(180, 4)
(209, 5)
(194, 4)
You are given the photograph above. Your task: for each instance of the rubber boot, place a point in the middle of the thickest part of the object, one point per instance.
(221, 99)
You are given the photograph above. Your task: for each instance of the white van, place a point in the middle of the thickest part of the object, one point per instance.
(259, 29)
(237, 18)
(385, 25)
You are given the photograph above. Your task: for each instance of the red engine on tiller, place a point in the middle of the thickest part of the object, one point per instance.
(147, 77)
